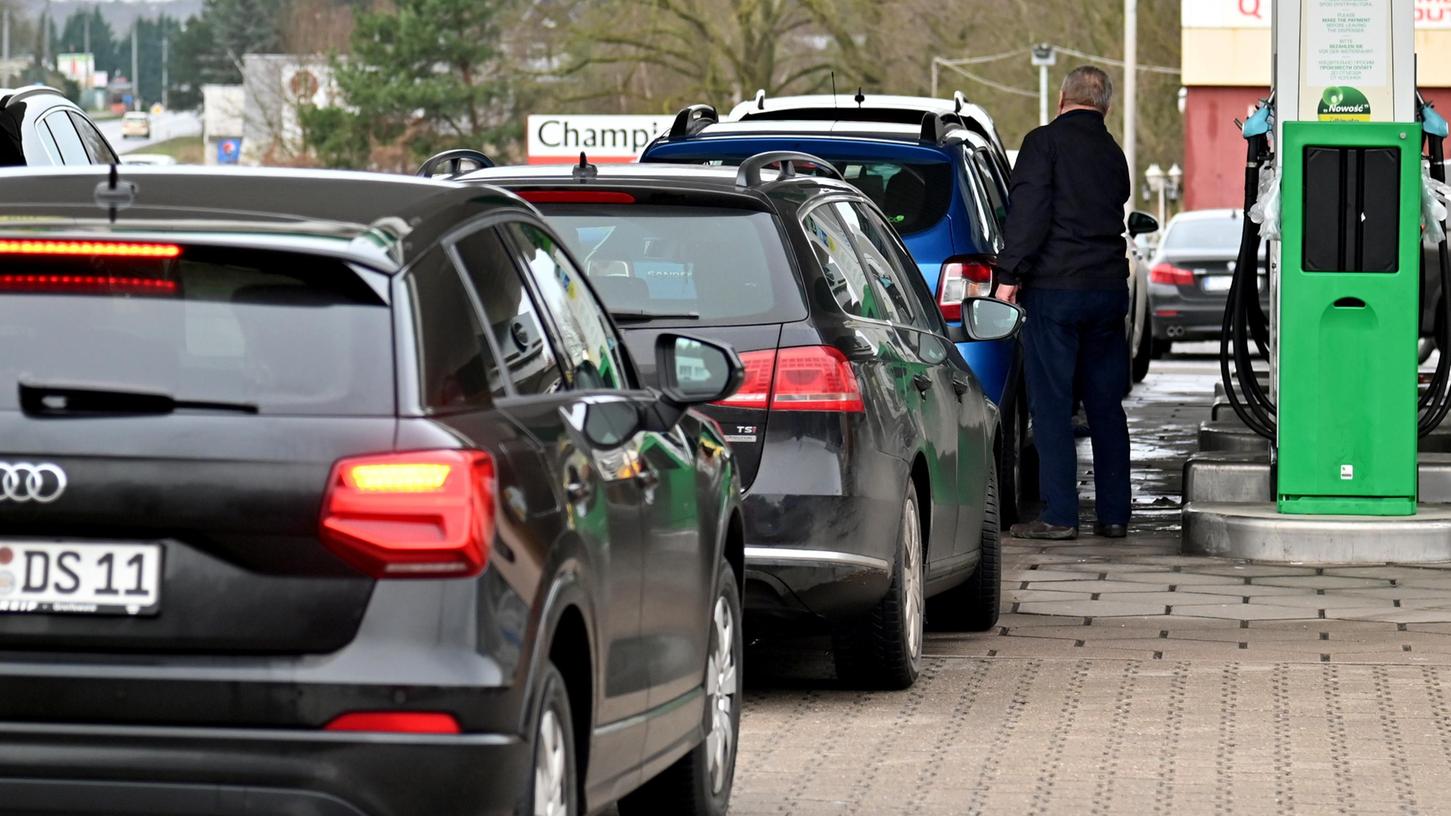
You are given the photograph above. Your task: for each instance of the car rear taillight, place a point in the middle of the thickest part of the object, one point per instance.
(1171, 274)
(962, 278)
(87, 284)
(396, 722)
(755, 390)
(807, 378)
(426, 514)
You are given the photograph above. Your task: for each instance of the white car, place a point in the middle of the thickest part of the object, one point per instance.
(137, 124)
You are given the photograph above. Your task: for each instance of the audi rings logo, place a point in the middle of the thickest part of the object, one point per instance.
(22, 482)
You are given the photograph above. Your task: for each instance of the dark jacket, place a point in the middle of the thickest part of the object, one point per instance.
(1066, 221)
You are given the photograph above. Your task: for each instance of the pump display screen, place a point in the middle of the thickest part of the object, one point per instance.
(1352, 209)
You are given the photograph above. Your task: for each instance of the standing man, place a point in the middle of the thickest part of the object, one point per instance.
(1065, 263)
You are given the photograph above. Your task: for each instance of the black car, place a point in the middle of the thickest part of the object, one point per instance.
(865, 442)
(39, 127)
(359, 509)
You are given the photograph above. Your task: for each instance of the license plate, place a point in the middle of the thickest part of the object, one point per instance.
(1217, 283)
(57, 578)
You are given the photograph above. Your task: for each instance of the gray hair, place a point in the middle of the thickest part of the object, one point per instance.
(1088, 86)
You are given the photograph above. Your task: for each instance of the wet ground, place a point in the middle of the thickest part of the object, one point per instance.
(1125, 678)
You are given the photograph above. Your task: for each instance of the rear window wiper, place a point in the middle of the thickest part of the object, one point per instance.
(632, 315)
(41, 399)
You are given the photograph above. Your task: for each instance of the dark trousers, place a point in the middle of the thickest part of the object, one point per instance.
(1074, 345)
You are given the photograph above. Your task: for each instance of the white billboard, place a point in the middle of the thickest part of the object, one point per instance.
(555, 138)
(1258, 13)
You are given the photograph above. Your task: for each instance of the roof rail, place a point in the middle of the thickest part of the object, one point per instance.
(959, 101)
(749, 174)
(691, 119)
(24, 91)
(451, 164)
(761, 99)
(936, 125)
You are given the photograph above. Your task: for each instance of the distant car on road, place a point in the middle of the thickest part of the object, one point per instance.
(136, 125)
(1191, 273)
(333, 493)
(39, 127)
(867, 447)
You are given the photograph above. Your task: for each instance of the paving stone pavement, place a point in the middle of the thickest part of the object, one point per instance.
(1124, 678)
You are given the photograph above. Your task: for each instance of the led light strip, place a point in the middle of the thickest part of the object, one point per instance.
(85, 282)
(108, 249)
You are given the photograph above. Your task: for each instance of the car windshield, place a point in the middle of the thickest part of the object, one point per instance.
(689, 265)
(288, 334)
(1205, 233)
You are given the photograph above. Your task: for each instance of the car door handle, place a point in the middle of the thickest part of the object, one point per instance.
(960, 386)
(923, 382)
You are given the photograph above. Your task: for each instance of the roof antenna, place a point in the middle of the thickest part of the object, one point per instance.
(833, 89)
(115, 195)
(860, 97)
(584, 171)
(761, 99)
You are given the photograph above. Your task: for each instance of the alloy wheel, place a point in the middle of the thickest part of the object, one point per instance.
(722, 687)
(550, 772)
(912, 576)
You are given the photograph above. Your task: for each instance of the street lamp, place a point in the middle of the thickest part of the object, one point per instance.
(1165, 185)
(1044, 57)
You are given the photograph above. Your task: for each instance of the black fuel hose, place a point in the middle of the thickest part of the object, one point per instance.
(1437, 401)
(1244, 319)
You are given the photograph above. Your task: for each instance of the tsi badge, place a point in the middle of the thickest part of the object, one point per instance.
(1347, 473)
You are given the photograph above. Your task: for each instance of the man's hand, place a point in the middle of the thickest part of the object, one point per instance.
(1007, 293)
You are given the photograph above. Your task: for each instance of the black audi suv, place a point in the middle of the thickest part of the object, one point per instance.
(356, 510)
(865, 442)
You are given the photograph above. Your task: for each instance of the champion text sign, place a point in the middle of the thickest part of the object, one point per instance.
(561, 138)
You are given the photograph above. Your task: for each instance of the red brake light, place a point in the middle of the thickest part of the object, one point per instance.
(1172, 275)
(807, 378)
(396, 722)
(755, 390)
(94, 249)
(426, 514)
(962, 278)
(577, 197)
(86, 283)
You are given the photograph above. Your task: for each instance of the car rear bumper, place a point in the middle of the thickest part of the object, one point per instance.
(149, 771)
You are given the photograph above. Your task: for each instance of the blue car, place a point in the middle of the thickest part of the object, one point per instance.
(937, 168)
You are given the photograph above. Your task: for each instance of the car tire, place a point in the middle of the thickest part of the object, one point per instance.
(554, 778)
(1142, 355)
(973, 606)
(699, 783)
(1159, 349)
(883, 650)
(1012, 448)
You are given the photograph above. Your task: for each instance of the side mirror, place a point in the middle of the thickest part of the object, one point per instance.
(454, 163)
(990, 319)
(606, 422)
(1141, 223)
(694, 371)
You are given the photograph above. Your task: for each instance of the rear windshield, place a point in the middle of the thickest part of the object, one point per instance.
(724, 266)
(286, 334)
(1205, 233)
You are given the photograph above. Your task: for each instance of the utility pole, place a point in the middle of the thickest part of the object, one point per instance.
(165, 55)
(90, 60)
(1044, 57)
(135, 68)
(5, 44)
(1131, 91)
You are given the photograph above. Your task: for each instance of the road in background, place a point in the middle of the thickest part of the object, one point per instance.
(165, 126)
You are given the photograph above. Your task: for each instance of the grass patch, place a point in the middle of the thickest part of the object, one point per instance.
(186, 150)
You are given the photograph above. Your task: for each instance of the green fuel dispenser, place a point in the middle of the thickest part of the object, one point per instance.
(1349, 317)
(1343, 188)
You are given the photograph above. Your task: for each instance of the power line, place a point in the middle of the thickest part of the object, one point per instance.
(1157, 69)
(990, 83)
(979, 60)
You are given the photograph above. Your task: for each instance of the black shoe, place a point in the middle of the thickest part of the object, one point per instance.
(1111, 530)
(1043, 531)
